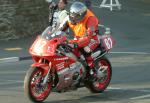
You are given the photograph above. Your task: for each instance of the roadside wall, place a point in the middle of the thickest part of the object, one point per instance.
(20, 18)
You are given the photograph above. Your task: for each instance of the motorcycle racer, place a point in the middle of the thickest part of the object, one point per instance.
(84, 25)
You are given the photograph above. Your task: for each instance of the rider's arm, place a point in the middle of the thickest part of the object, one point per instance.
(52, 11)
(92, 26)
(62, 15)
(53, 6)
(64, 25)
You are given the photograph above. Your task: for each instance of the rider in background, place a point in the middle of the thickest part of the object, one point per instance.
(84, 25)
(59, 13)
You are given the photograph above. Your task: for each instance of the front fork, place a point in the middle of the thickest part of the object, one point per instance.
(47, 75)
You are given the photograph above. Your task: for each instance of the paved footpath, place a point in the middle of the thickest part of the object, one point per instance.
(14, 50)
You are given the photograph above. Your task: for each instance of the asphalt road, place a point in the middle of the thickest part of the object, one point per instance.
(130, 83)
(130, 61)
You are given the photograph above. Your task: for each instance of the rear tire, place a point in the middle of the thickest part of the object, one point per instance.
(32, 85)
(96, 86)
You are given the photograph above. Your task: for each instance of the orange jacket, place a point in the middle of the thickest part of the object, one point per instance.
(87, 26)
(80, 28)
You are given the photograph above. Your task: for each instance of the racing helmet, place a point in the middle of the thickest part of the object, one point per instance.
(77, 12)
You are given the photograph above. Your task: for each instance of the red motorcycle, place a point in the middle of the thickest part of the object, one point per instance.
(59, 67)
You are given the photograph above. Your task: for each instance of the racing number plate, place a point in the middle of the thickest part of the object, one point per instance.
(108, 42)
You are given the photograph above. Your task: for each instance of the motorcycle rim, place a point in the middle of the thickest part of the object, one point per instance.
(102, 82)
(38, 90)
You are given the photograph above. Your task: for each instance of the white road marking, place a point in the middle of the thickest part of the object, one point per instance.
(138, 53)
(12, 81)
(10, 59)
(9, 82)
(13, 72)
(113, 88)
(141, 97)
(126, 89)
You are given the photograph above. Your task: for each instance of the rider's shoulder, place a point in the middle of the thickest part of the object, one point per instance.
(66, 18)
(63, 15)
(63, 12)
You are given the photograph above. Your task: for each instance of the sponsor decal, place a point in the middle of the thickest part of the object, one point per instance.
(60, 66)
(64, 58)
(50, 49)
(93, 42)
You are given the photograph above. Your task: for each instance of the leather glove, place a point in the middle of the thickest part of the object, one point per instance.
(73, 43)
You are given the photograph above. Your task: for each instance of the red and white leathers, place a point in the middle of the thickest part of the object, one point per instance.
(85, 34)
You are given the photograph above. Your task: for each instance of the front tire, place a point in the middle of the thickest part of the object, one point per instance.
(33, 88)
(103, 67)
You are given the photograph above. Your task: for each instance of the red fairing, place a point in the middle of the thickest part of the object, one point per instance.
(61, 62)
(42, 47)
(41, 65)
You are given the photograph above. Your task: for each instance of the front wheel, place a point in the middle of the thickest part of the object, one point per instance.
(33, 87)
(103, 76)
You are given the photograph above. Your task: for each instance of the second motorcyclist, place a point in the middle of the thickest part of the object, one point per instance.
(57, 12)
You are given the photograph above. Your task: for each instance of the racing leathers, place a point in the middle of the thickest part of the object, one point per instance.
(85, 35)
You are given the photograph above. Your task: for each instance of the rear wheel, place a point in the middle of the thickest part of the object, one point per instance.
(33, 87)
(103, 76)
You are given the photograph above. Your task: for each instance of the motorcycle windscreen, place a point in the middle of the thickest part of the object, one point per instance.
(43, 47)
